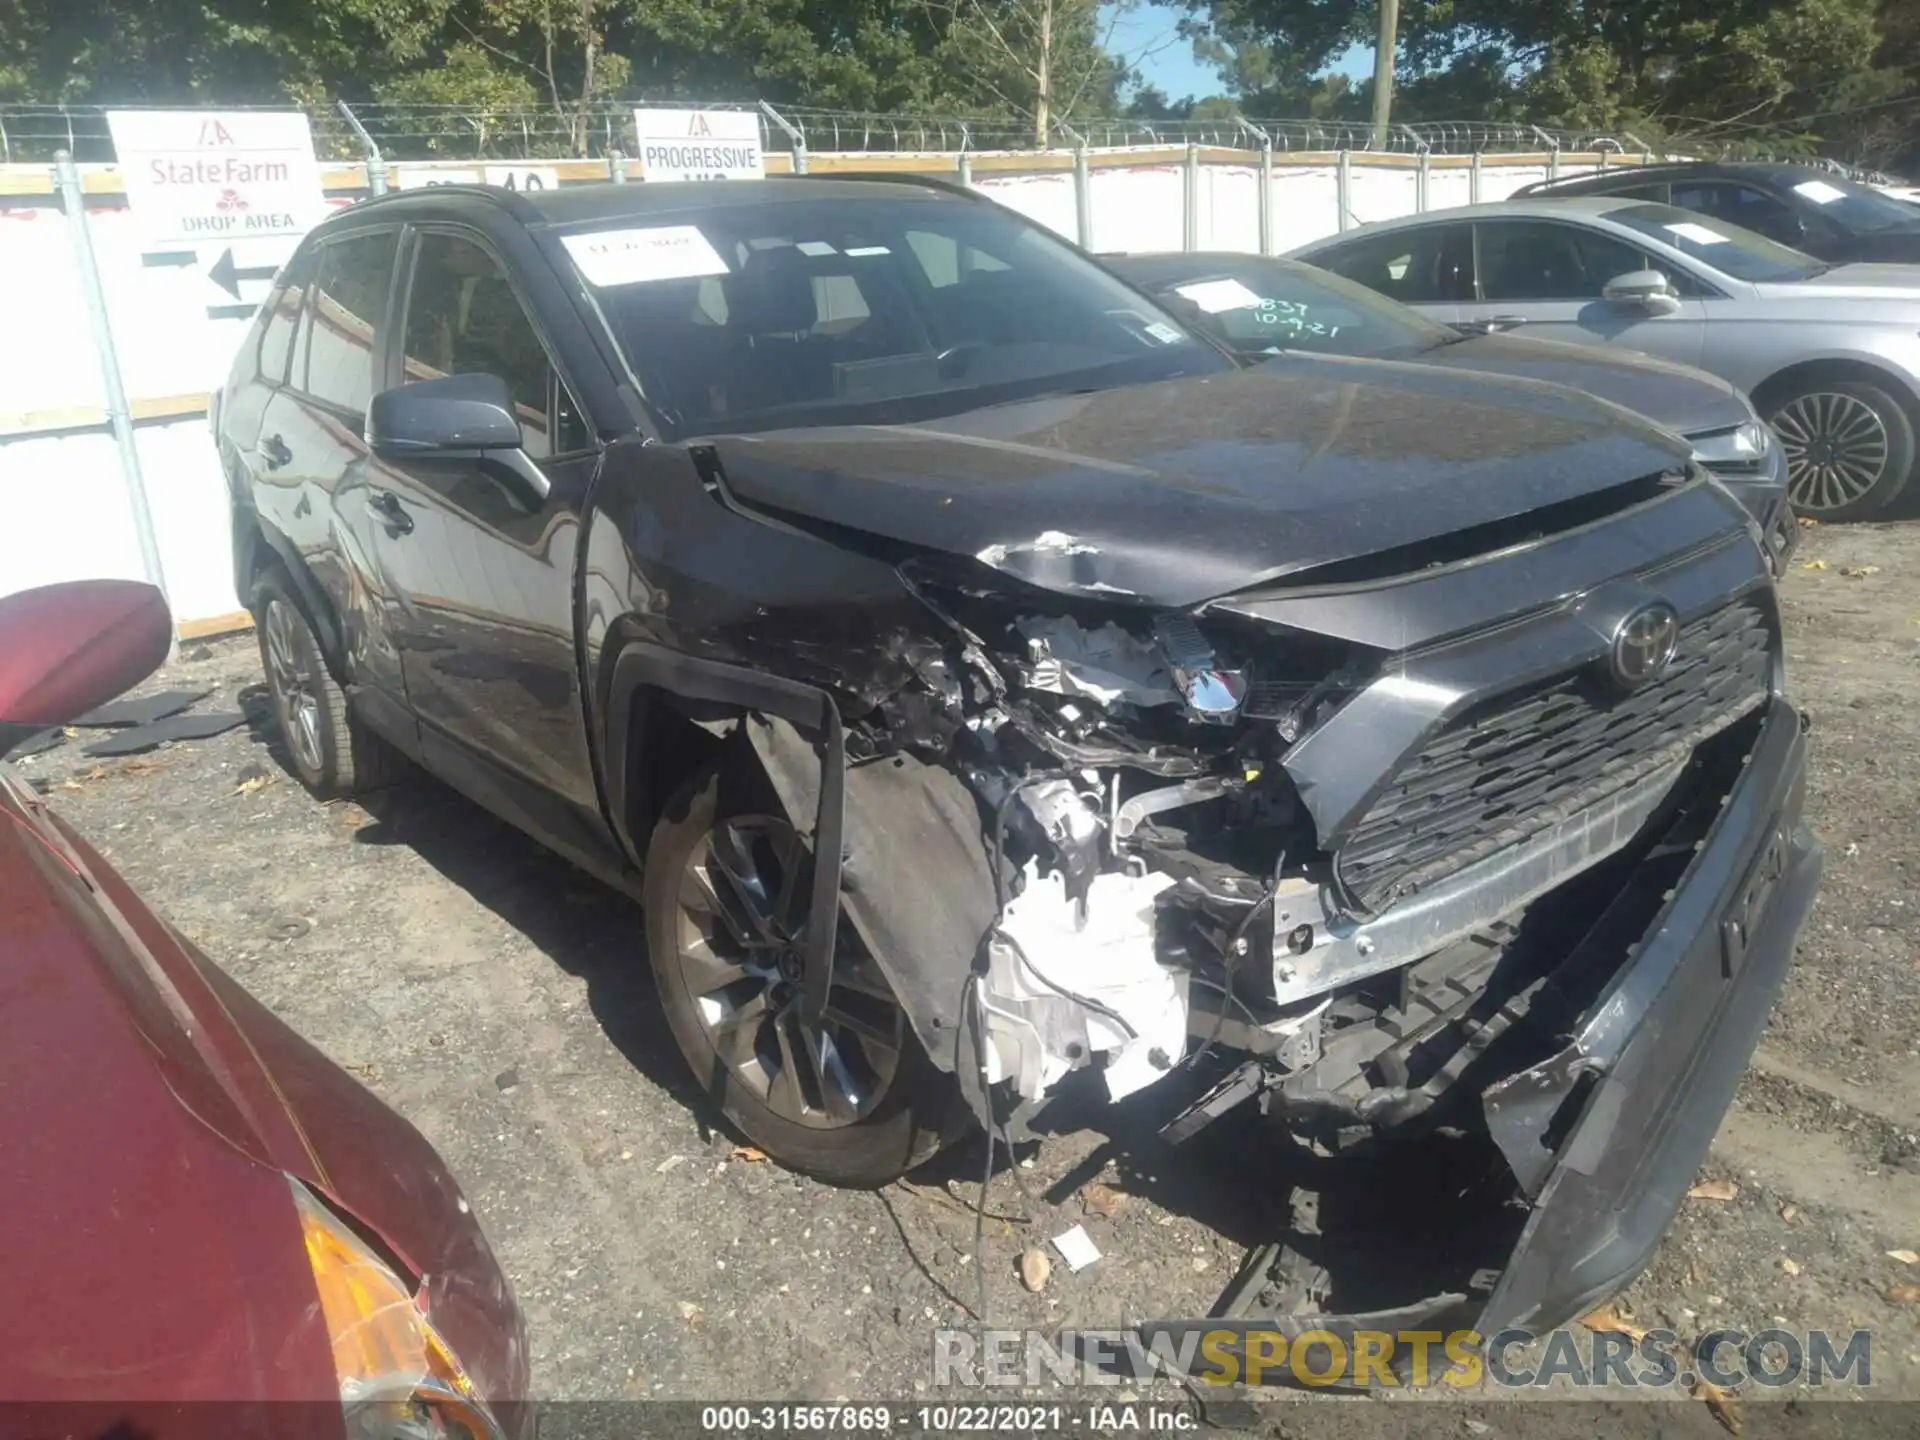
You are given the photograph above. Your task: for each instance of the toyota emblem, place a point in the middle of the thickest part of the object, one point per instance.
(1643, 644)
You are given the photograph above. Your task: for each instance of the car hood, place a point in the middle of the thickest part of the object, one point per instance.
(1177, 492)
(156, 1252)
(159, 1111)
(1852, 282)
(1679, 397)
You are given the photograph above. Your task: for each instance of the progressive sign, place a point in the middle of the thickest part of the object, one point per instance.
(699, 144)
(194, 177)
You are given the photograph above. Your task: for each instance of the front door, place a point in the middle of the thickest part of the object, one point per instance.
(482, 563)
(1546, 278)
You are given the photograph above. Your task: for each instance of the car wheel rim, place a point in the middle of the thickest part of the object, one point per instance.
(1836, 448)
(741, 936)
(295, 686)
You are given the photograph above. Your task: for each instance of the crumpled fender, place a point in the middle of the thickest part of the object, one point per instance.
(914, 875)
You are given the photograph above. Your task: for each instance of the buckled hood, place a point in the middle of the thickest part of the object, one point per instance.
(1178, 492)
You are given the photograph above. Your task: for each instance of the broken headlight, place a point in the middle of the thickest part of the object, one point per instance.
(399, 1380)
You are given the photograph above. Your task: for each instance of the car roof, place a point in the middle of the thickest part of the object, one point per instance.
(1545, 207)
(1671, 170)
(606, 200)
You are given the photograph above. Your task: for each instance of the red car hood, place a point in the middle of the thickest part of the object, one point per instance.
(150, 1112)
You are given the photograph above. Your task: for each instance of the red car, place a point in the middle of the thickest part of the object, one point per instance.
(200, 1206)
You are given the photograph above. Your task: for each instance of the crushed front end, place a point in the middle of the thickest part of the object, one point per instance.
(1490, 866)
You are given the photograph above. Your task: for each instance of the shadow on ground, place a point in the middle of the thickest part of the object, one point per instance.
(587, 929)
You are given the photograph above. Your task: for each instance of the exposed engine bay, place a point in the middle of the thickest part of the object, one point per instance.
(1160, 885)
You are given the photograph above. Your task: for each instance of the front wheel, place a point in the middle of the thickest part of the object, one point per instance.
(854, 1099)
(1849, 448)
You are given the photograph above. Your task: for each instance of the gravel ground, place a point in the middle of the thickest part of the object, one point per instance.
(501, 1001)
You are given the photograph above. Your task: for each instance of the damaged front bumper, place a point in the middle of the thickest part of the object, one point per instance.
(1603, 1137)
(1666, 1047)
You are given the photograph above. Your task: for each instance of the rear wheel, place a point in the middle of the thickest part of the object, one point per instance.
(331, 752)
(1849, 448)
(853, 1099)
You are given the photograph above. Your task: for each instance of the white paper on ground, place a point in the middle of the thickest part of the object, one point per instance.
(1699, 234)
(1819, 191)
(1076, 1247)
(633, 257)
(1215, 296)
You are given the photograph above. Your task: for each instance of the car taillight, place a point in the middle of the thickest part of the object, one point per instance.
(399, 1379)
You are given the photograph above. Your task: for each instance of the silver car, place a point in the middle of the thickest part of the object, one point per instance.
(1259, 307)
(1830, 354)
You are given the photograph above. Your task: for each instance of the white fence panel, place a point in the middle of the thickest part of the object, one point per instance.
(50, 365)
(1137, 208)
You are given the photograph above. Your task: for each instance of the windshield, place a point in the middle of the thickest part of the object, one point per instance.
(1261, 307)
(858, 311)
(1726, 248)
(1853, 206)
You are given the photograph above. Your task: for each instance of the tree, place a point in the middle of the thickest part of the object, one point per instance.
(1704, 73)
(1042, 61)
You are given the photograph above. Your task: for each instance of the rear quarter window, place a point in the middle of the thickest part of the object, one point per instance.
(280, 318)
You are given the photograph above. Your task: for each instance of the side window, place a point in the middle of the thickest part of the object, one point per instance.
(1742, 205)
(349, 308)
(1537, 260)
(1428, 266)
(463, 318)
(1759, 211)
(283, 318)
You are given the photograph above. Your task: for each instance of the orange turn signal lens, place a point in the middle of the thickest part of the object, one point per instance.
(390, 1359)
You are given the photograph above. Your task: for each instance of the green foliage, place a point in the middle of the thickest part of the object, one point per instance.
(1842, 76)
(964, 56)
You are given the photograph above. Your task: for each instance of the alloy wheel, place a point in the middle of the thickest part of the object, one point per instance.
(742, 934)
(295, 686)
(1836, 448)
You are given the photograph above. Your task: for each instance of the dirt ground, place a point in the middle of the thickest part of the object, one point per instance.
(502, 1002)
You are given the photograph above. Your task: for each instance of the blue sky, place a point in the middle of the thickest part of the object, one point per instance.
(1172, 66)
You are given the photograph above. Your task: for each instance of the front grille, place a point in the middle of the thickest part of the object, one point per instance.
(1522, 762)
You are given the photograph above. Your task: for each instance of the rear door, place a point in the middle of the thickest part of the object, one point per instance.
(481, 565)
(312, 457)
(1546, 278)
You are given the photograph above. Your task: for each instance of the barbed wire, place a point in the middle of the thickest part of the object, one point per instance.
(30, 133)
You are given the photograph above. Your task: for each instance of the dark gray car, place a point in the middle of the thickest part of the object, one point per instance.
(1259, 306)
(979, 677)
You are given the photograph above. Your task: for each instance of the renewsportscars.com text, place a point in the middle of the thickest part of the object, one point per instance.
(1217, 1354)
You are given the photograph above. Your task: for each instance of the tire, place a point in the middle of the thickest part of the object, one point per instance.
(896, 1108)
(1849, 447)
(332, 753)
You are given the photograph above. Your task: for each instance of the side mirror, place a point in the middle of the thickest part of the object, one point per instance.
(1645, 290)
(66, 648)
(465, 413)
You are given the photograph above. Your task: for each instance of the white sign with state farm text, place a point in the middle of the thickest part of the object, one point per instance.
(196, 177)
(699, 144)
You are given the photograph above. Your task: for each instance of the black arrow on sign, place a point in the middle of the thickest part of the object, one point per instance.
(224, 273)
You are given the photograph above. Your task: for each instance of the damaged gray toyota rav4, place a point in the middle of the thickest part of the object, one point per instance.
(992, 690)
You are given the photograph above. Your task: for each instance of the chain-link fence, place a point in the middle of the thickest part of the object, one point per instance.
(33, 133)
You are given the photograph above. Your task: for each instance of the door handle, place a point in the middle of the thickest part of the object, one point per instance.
(275, 452)
(392, 513)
